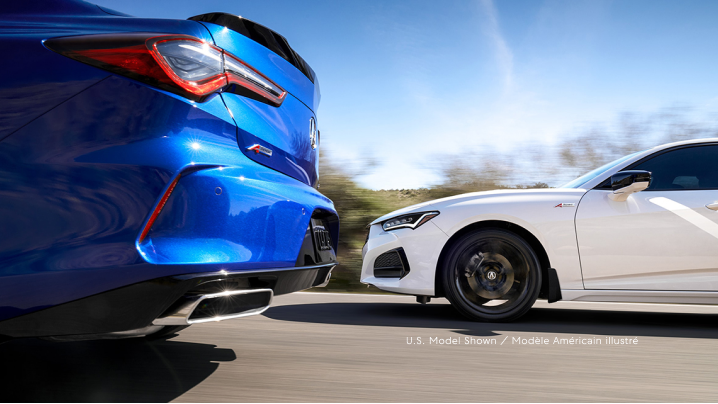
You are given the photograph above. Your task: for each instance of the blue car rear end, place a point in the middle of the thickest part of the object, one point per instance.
(134, 200)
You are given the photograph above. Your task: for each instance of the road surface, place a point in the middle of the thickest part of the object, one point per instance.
(334, 347)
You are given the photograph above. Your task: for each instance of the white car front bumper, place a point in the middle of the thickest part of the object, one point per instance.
(422, 247)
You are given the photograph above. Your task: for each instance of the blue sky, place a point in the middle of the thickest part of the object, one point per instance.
(406, 81)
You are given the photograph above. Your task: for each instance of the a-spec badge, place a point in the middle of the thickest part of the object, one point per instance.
(258, 148)
(565, 205)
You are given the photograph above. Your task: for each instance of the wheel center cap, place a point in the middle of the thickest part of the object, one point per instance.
(492, 277)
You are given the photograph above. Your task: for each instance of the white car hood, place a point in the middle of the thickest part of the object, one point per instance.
(547, 195)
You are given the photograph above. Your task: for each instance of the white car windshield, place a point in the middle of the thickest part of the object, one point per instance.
(578, 182)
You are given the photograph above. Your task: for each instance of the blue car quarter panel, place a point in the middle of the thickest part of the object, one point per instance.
(115, 188)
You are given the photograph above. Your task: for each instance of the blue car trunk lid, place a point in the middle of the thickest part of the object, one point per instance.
(284, 137)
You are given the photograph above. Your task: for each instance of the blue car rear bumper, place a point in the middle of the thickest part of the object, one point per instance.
(79, 185)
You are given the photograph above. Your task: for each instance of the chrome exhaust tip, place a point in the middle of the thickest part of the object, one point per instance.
(195, 309)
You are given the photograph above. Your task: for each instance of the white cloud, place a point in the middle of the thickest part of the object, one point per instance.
(504, 55)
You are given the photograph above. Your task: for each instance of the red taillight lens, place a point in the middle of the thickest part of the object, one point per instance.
(247, 77)
(194, 65)
(181, 64)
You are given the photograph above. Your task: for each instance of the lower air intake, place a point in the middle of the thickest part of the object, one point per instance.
(391, 264)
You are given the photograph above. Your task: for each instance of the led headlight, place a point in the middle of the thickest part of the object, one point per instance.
(411, 221)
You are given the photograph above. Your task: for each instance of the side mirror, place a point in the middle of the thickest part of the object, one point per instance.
(625, 183)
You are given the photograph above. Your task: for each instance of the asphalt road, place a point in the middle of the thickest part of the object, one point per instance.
(329, 347)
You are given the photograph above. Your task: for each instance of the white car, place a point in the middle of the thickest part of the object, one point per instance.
(643, 228)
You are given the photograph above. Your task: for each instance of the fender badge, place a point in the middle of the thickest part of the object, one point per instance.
(257, 148)
(565, 205)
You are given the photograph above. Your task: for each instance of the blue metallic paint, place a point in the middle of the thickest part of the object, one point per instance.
(263, 219)
(285, 130)
(85, 155)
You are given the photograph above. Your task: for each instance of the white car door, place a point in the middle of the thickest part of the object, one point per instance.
(663, 238)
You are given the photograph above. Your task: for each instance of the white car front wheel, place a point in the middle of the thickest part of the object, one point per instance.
(491, 275)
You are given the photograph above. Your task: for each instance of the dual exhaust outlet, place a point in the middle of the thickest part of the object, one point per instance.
(194, 309)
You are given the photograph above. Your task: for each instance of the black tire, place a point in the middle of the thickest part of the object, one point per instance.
(491, 275)
(166, 331)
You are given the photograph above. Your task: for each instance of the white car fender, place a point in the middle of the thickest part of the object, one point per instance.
(547, 214)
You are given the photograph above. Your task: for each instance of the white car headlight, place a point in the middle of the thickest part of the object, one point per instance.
(412, 220)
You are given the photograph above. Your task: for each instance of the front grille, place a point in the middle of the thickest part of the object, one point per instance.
(391, 264)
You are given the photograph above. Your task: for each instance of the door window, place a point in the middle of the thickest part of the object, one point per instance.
(689, 168)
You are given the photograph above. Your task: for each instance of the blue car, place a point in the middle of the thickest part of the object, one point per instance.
(154, 173)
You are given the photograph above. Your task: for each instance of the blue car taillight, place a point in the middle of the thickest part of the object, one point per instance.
(181, 64)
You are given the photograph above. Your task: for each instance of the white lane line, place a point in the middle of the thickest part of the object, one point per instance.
(687, 214)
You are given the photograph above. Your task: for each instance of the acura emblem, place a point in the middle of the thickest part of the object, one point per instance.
(313, 134)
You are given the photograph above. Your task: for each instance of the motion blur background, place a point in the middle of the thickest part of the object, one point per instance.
(425, 99)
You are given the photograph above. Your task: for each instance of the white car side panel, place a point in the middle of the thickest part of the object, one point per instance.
(655, 240)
